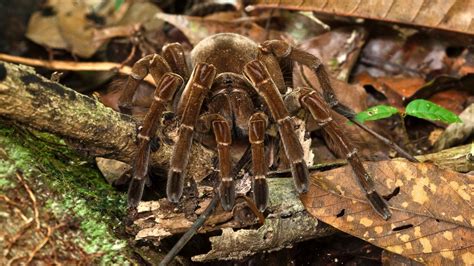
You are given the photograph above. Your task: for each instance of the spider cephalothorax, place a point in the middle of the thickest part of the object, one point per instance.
(234, 90)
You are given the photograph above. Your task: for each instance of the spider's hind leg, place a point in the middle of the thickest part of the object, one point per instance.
(281, 49)
(321, 113)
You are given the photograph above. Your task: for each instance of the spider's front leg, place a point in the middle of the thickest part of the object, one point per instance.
(154, 64)
(257, 127)
(321, 113)
(261, 80)
(188, 110)
(173, 60)
(222, 134)
(164, 92)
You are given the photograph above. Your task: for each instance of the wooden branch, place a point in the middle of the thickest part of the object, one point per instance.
(34, 101)
(455, 158)
(71, 65)
(286, 223)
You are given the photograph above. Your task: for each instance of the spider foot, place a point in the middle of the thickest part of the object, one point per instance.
(379, 205)
(174, 186)
(300, 174)
(260, 193)
(135, 192)
(227, 194)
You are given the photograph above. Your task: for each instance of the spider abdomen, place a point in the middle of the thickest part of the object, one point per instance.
(228, 52)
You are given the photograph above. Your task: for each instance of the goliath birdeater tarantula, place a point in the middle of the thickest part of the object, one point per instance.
(236, 86)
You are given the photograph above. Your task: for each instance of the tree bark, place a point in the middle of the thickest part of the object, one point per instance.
(33, 101)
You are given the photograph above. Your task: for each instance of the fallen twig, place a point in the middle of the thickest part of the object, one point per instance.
(32, 198)
(14, 239)
(71, 65)
(43, 242)
(191, 232)
(9, 201)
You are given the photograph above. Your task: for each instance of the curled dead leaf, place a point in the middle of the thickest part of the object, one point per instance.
(432, 220)
(454, 15)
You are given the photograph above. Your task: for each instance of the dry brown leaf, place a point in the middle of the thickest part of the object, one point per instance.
(449, 92)
(198, 28)
(393, 88)
(432, 219)
(339, 49)
(393, 259)
(74, 25)
(450, 15)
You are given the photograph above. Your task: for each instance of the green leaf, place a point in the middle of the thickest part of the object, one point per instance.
(118, 4)
(427, 110)
(376, 112)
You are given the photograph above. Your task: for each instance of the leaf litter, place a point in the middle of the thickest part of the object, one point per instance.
(424, 225)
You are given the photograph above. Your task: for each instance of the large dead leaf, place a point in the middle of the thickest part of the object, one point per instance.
(80, 26)
(198, 28)
(450, 15)
(339, 49)
(432, 219)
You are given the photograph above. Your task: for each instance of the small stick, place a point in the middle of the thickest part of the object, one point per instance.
(43, 242)
(191, 232)
(9, 201)
(315, 167)
(71, 65)
(32, 197)
(17, 236)
(388, 142)
(254, 209)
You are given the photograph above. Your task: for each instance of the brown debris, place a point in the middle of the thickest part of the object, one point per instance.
(424, 225)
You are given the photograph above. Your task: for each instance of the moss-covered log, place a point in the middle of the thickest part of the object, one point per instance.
(36, 102)
(56, 208)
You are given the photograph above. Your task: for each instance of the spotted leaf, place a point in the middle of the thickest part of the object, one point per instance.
(376, 113)
(432, 218)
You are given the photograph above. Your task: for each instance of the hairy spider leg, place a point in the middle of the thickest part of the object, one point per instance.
(261, 80)
(281, 49)
(257, 127)
(154, 64)
(174, 54)
(321, 113)
(223, 137)
(188, 110)
(164, 92)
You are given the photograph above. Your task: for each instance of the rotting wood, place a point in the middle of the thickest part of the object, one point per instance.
(34, 101)
(286, 223)
(455, 158)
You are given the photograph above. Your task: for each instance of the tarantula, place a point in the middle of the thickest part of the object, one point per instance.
(235, 89)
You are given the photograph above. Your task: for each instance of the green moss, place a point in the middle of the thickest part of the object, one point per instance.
(79, 189)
